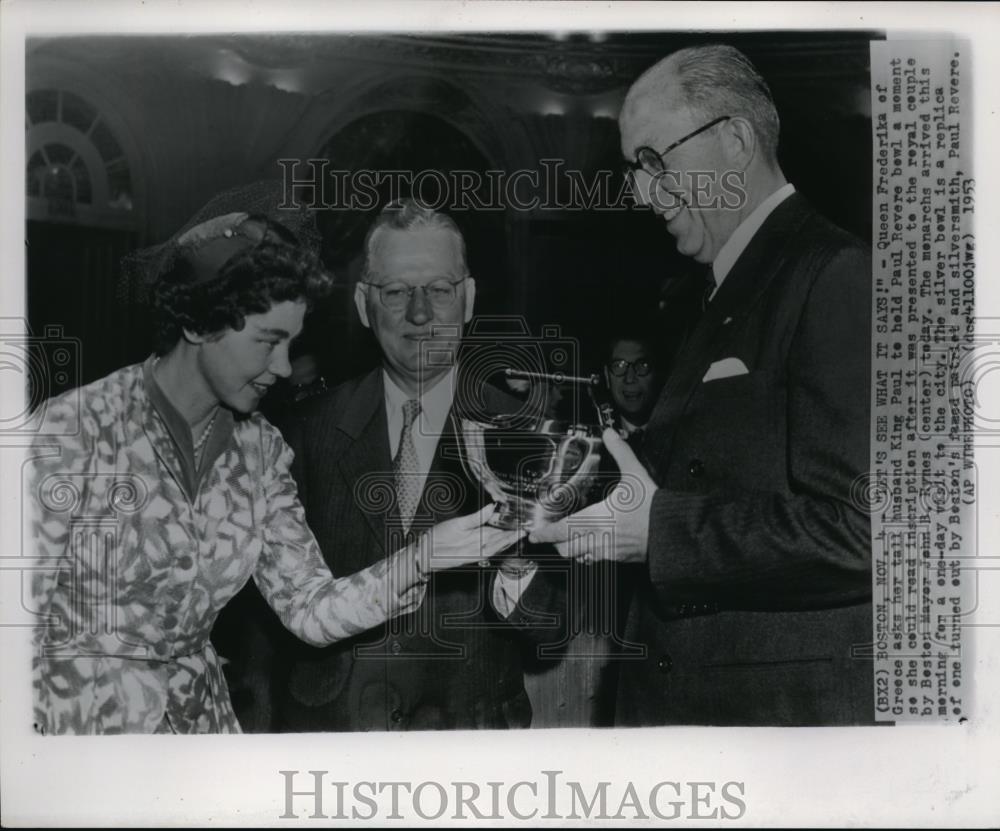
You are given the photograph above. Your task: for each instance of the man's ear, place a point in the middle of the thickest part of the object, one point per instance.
(740, 141)
(194, 338)
(470, 297)
(361, 304)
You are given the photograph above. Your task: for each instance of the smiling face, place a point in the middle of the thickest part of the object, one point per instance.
(632, 394)
(237, 368)
(689, 194)
(419, 342)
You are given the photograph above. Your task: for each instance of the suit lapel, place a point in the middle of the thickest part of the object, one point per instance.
(145, 413)
(446, 489)
(746, 282)
(366, 467)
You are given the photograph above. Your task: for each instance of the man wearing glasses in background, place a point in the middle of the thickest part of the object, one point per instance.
(376, 461)
(754, 603)
(632, 379)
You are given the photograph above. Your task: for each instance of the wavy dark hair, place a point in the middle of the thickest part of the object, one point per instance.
(274, 270)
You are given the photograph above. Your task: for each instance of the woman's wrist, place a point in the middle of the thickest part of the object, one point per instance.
(421, 562)
(413, 566)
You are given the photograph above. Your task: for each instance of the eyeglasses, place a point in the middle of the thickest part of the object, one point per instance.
(646, 158)
(440, 294)
(619, 367)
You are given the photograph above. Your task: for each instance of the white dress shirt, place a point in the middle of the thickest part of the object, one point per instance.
(740, 238)
(435, 404)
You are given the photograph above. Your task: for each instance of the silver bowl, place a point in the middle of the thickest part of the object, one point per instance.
(536, 470)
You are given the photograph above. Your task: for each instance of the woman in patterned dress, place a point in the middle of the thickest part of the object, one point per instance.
(160, 493)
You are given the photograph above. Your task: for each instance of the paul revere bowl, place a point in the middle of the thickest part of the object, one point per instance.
(536, 470)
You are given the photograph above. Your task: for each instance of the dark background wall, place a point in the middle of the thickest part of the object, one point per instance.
(191, 116)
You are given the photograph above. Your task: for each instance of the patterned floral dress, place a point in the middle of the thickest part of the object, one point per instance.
(135, 565)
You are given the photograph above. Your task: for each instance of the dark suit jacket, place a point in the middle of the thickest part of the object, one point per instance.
(453, 664)
(757, 604)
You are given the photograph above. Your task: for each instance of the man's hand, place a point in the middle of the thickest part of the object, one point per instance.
(616, 529)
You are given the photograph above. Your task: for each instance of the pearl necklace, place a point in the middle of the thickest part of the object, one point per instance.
(204, 435)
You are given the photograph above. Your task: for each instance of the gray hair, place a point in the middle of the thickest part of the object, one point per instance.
(410, 215)
(717, 80)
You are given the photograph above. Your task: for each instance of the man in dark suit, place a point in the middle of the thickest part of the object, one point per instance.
(377, 461)
(755, 607)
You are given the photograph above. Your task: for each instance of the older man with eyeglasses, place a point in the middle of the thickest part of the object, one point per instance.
(376, 460)
(755, 600)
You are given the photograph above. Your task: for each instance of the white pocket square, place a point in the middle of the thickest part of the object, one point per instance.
(726, 368)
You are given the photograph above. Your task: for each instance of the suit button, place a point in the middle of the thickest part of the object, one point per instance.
(696, 468)
(396, 647)
(396, 715)
(665, 664)
(682, 610)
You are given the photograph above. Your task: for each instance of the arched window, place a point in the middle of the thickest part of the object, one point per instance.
(76, 169)
(84, 207)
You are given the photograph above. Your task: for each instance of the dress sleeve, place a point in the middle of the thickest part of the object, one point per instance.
(65, 583)
(58, 489)
(296, 582)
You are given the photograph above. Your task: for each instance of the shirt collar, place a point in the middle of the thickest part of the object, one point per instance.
(740, 238)
(435, 403)
(180, 431)
(629, 427)
(177, 427)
